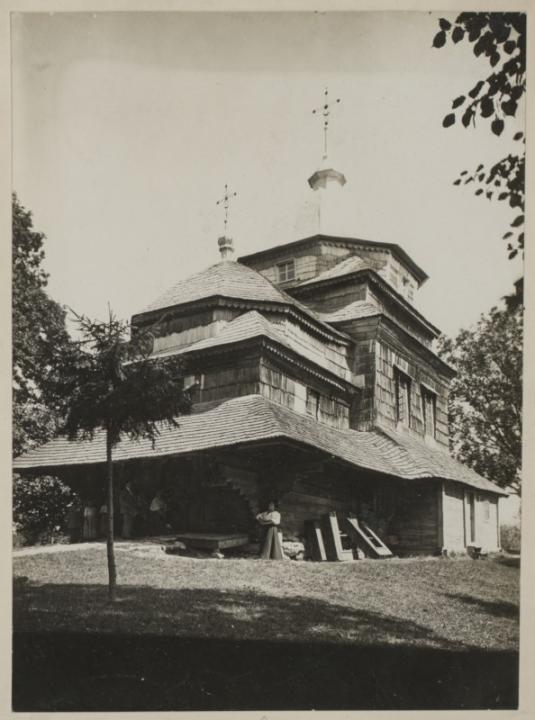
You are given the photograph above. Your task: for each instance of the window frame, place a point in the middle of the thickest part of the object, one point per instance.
(283, 275)
(427, 393)
(399, 376)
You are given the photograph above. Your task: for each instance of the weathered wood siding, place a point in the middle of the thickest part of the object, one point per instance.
(453, 512)
(486, 517)
(291, 391)
(226, 377)
(334, 297)
(311, 498)
(174, 329)
(392, 309)
(416, 521)
(389, 357)
(363, 333)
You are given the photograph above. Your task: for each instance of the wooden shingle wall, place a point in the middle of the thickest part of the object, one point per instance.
(378, 349)
(229, 378)
(176, 324)
(387, 359)
(281, 387)
(363, 333)
(389, 308)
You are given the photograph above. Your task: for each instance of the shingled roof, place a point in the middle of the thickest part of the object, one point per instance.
(252, 325)
(353, 311)
(229, 279)
(253, 418)
(349, 265)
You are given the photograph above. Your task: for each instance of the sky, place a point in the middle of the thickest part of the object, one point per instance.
(126, 127)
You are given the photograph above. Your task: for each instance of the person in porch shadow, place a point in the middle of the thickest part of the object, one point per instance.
(130, 507)
(158, 511)
(271, 540)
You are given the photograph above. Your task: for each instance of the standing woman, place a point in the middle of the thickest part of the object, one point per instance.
(270, 521)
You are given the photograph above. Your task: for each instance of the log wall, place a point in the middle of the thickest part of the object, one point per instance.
(312, 497)
(417, 520)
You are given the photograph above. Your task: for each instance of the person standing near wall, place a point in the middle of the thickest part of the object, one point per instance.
(272, 542)
(129, 508)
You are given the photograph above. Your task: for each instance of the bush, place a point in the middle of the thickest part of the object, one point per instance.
(39, 508)
(510, 538)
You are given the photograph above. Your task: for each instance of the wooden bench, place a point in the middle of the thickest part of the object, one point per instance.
(212, 542)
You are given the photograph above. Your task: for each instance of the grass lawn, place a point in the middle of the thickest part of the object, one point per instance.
(426, 603)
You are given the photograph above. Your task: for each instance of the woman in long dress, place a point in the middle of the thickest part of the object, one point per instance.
(270, 521)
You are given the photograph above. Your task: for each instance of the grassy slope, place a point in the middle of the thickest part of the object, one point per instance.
(420, 602)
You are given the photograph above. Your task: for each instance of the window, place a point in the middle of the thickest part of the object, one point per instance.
(313, 403)
(429, 411)
(403, 397)
(286, 270)
(486, 509)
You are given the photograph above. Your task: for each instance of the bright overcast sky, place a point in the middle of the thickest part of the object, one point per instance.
(128, 125)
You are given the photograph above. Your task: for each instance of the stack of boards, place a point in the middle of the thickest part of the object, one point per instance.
(340, 538)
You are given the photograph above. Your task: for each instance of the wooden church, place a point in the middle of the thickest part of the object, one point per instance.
(315, 385)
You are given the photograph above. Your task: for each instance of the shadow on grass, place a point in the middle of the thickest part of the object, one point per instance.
(498, 609)
(140, 655)
(508, 560)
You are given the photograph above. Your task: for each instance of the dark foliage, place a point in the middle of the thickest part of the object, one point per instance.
(39, 507)
(501, 38)
(39, 334)
(485, 403)
(109, 381)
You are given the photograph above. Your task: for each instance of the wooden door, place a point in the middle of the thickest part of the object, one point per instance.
(472, 511)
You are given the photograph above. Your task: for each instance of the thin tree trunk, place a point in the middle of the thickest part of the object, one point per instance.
(112, 569)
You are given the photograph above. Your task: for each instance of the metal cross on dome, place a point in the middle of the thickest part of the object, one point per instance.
(225, 202)
(325, 110)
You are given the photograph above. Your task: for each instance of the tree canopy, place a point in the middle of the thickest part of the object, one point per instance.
(486, 396)
(108, 380)
(39, 334)
(501, 38)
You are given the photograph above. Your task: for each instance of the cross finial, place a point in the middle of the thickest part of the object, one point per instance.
(225, 202)
(325, 110)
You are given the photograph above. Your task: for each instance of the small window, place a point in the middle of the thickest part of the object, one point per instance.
(286, 270)
(313, 403)
(486, 509)
(403, 397)
(429, 411)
